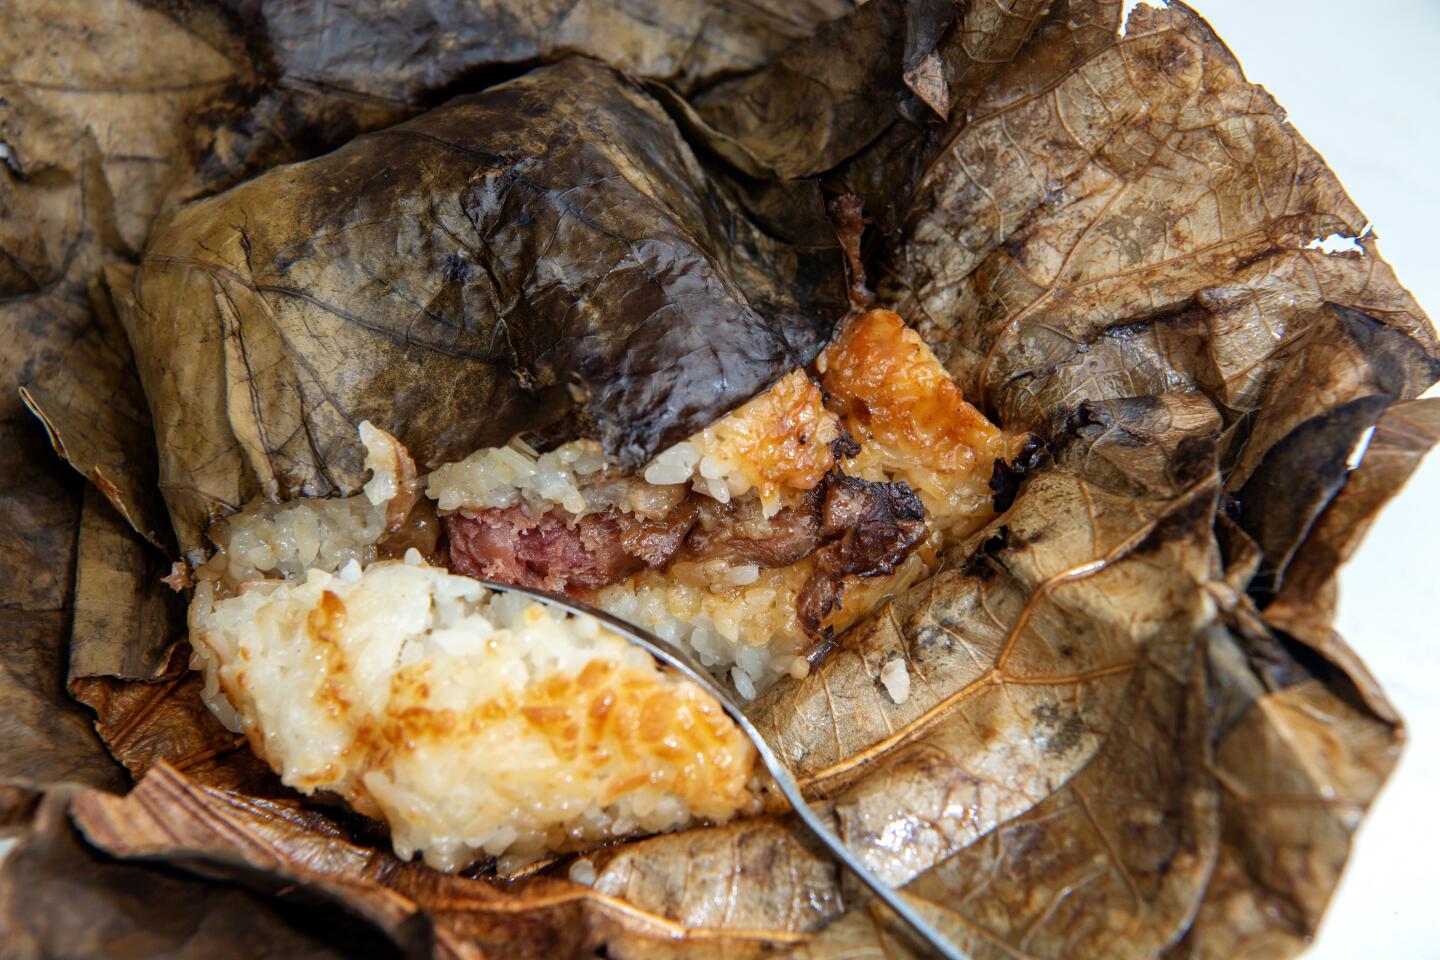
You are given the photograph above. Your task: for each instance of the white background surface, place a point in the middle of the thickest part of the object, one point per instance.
(1361, 80)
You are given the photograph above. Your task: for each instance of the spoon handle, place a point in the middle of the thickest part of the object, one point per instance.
(779, 771)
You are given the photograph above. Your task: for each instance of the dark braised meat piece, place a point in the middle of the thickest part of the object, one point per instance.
(656, 541)
(741, 533)
(854, 527)
(870, 528)
(510, 546)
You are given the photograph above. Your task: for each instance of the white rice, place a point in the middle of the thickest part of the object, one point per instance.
(752, 631)
(896, 679)
(582, 871)
(285, 540)
(574, 478)
(500, 477)
(713, 462)
(465, 719)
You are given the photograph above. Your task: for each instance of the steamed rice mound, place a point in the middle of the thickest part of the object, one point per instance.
(474, 723)
(718, 543)
(285, 540)
(480, 724)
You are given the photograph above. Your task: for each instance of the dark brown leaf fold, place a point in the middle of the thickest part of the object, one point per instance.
(1297, 768)
(558, 235)
(91, 404)
(46, 737)
(1305, 607)
(277, 845)
(125, 619)
(60, 897)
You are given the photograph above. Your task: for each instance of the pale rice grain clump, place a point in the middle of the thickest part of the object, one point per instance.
(499, 477)
(284, 540)
(777, 445)
(473, 723)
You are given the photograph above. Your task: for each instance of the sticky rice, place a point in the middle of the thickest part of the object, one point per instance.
(878, 407)
(479, 725)
(473, 723)
(719, 542)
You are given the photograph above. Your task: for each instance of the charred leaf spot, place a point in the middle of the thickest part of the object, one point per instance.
(931, 636)
(1191, 514)
(1016, 246)
(1194, 460)
(1061, 730)
(1018, 540)
(1068, 424)
(1260, 256)
(819, 650)
(1005, 478)
(978, 565)
(455, 269)
(1067, 737)
(1087, 414)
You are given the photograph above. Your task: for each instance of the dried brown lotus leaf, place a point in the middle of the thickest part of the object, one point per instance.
(1109, 864)
(47, 738)
(693, 877)
(424, 46)
(65, 898)
(1297, 768)
(165, 719)
(825, 99)
(1305, 606)
(129, 664)
(1118, 738)
(125, 618)
(269, 844)
(90, 401)
(560, 236)
(1143, 183)
(93, 121)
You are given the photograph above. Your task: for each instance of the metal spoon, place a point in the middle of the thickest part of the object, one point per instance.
(680, 660)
